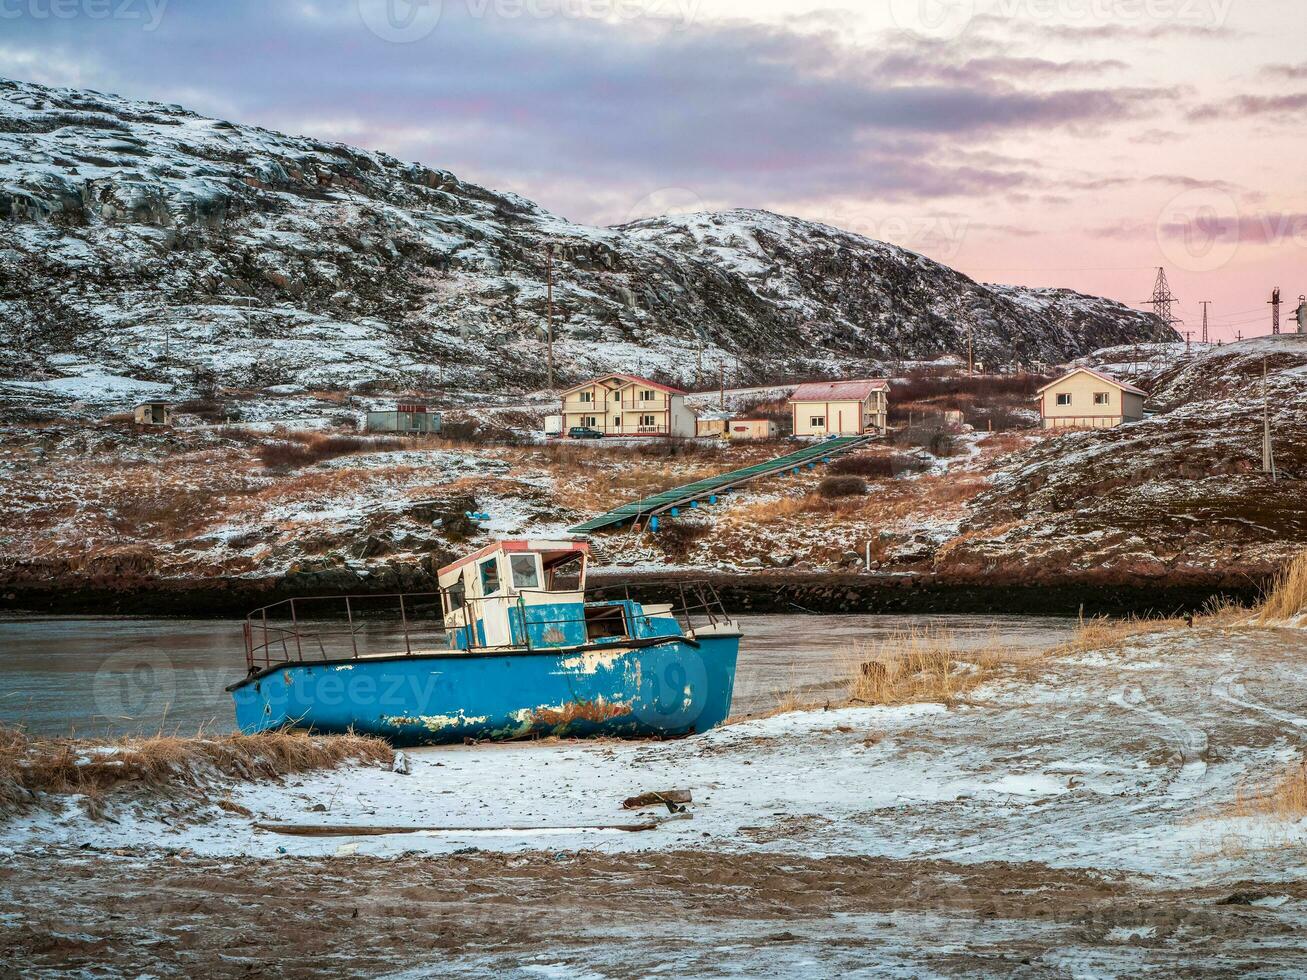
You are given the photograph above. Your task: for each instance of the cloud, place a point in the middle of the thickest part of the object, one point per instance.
(1162, 180)
(579, 112)
(1264, 228)
(1251, 105)
(1290, 72)
(1197, 29)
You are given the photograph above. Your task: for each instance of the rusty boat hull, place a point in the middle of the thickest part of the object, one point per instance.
(656, 687)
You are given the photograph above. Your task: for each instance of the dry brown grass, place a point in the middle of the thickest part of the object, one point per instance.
(1288, 596)
(911, 667)
(31, 768)
(885, 503)
(838, 487)
(1288, 797)
(920, 667)
(306, 448)
(1102, 633)
(1285, 800)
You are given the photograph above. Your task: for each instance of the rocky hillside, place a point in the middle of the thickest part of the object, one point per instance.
(1179, 496)
(144, 248)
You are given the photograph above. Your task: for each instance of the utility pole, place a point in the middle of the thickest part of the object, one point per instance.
(1268, 453)
(1275, 311)
(1188, 340)
(1205, 304)
(549, 329)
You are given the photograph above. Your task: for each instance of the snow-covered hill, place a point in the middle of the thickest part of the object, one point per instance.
(142, 246)
(1178, 496)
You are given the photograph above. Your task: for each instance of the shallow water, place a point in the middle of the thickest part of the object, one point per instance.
(110, 676)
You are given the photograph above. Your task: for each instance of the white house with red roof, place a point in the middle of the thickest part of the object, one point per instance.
(1089, 399)
(627, 405)
(844, 408)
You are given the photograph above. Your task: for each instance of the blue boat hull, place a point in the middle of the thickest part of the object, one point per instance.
(668, 689)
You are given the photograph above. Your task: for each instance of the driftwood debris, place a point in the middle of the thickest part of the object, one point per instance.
(673, 799)
(345, 830)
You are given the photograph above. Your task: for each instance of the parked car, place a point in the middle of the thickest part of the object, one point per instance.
(583, 432)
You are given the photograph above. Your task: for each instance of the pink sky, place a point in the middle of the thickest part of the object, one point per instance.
(1076, 143)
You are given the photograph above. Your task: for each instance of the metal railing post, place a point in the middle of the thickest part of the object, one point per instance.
(403, 615)
(526, 629)
(353, 637)
(295, 624)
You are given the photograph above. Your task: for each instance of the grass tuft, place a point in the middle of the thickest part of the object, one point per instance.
(1288, 596)
(837, 487)
(919, 667)
(1285, 800)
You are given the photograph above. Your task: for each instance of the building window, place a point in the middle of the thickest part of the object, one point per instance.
(587, 396)
(646, 396)
(1102, 398)
(617, 421)
(1064, 399)
(589, 422)
(648, 419)
(817, 421)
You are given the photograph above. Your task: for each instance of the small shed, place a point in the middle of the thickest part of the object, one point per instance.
(152, 413)
(1089, 399)
(408, 417)
(752, 430)
(713, 424)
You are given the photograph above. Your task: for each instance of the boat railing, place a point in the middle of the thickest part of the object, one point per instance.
(696, 604)
(321, 628)
(339, 628)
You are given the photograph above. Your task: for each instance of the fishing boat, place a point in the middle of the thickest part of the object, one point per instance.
(511, 647)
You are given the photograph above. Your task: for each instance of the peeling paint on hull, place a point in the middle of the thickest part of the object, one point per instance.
(669, 690)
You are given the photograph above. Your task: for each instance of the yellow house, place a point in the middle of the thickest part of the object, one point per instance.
(629, 406)
(1087, 399)
(844, 408)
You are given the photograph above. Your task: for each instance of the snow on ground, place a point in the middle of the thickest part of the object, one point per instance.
(1128, 760)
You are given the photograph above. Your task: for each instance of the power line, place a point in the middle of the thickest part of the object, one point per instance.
(1053, 268)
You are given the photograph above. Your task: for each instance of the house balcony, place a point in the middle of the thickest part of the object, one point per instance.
(635, 405)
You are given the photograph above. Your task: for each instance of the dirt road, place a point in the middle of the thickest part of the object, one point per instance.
(686, 913)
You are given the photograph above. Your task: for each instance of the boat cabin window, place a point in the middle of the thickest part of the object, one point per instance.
(604, 622)
(455, 596)
(565, 574)
(490, 576)
(526, 571)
